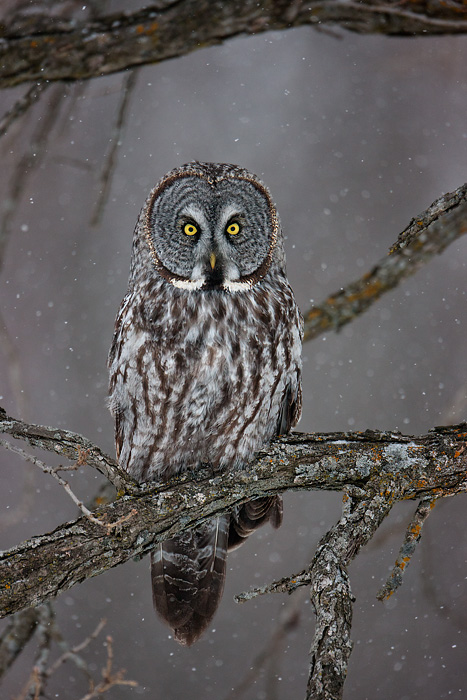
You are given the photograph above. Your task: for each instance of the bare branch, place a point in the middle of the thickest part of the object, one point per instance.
(427, 235)
(28, 163)
(44, 633)
(115, 140)
(22, 105)
(72, 50)
(70, 445)
(66, 486)
(432, 465)
(15, 637)
(330, 591)
(110, 678)
(411, 539)
(73, 653)
(42, 621)
(287, 584)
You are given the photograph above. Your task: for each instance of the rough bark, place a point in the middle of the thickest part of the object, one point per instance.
(400, 467)
(373, 469)
(57, 48)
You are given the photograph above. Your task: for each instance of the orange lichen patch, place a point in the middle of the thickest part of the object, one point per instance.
(435, 493)
(313, 313)
(82, 456)
(369, 291)
(143, 29)
(416, 529)
(403, 563)
(33, 44)
(152, 28)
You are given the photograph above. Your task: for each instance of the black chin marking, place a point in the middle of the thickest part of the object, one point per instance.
(214, 279)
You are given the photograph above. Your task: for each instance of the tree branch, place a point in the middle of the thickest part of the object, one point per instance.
(431, 466)
(72, 50)
(373, 469)
(427, 235)
(70, 445)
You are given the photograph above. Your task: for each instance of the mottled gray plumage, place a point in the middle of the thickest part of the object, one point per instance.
(205, 363)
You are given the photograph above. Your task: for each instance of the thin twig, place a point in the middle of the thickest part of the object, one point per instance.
(70, 445)
(129, 83)
(411, 539)
(15, 636)
(287, 584)
(74, 651)
(29, 162)
(47, 632)
(110, 678)
(54, 472)
(22, 105)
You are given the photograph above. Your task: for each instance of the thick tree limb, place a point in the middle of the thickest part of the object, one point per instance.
(432, 466)
(60, 49)
(373, 469)
(427, 235)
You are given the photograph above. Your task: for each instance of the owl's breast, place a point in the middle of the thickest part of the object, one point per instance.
(204, 383)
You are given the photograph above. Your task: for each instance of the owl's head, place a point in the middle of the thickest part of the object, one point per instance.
(209, 226)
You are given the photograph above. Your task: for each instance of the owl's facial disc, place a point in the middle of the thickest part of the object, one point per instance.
(212, 236)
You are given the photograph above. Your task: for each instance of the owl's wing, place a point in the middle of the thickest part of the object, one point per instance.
(188, 576)
(248, 517)
(291, 408)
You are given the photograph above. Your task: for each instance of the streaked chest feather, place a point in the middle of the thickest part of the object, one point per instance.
(202, 379)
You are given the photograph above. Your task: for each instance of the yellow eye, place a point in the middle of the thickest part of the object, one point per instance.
(233, 228)
(190, 229)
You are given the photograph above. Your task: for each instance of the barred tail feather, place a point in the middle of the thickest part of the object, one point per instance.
(188, 576)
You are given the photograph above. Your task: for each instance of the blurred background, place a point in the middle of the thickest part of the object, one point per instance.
(354, 135)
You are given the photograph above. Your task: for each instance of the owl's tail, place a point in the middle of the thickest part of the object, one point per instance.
(188, 576)
(188, 571)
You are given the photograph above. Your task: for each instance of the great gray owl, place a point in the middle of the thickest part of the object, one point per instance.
(204, 364)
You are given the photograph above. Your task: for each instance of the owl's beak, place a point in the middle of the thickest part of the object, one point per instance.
(213, 271)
